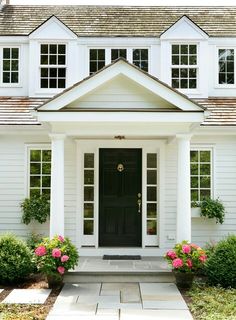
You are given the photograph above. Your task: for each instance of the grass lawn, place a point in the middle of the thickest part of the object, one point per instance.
(212, 303)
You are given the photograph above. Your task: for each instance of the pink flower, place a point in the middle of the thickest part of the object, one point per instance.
(203, 258)
(189, 263)
(171, 254)
(61, 239)
(194, 246)
(177, 263)
(64, 258)
(56, 253)
(61, 270)
(186, 249)
(40, 251)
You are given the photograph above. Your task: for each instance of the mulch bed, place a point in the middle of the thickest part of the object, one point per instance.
(27, 311)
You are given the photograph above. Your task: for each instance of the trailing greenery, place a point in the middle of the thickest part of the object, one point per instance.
(211, 208)
(35, 208)
(15, 259)
(220, 268)
(195, 204)
(212, 303)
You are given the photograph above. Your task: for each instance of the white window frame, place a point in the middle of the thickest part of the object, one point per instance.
(28, 148)
(197, 66)
(207, 148)
(129, 54)
(216, 64)
(52, 90)
(11, 85)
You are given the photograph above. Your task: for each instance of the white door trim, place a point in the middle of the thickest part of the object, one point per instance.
(93, 146)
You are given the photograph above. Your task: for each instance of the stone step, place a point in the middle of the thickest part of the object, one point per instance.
(93, 277)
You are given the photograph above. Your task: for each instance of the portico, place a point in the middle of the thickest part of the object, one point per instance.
(152, 121)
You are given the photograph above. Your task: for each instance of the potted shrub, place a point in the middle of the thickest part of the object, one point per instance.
(35, 208)
(54, 257)
(185, 259)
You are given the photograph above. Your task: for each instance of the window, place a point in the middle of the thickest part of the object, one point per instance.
(97, 60)
(39, 172)
(88, 228)
(118, 53)
(226, 66)
(10, 65)
(201, 174)
(140, 58)
(184, 66)
(152, 201)
(53, 66)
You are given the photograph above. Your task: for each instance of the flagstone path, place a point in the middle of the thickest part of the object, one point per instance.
(120, 301)
(27, 296)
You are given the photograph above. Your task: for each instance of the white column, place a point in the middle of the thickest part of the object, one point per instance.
(183, 228)
(57, 185)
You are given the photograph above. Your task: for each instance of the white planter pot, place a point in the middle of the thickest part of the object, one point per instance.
(196, 212)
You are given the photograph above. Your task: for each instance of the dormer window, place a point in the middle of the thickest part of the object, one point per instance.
(118, 53)
(184, 67)
(53, 66)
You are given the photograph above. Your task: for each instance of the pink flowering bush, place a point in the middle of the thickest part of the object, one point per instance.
(55, 256)
(186, 257)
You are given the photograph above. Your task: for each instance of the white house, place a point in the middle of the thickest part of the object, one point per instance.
(122, 116)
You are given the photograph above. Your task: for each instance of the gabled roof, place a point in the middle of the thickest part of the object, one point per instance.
(185, 22)
(93, 21)
(135, 74)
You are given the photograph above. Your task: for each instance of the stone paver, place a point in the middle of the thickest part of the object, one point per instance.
(162, 296)
(28, 296)
(120, 301)
(155, 314)
(1, 290)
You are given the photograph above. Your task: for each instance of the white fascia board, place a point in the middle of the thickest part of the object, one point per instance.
(42, 32)
(119, 41)
(14, 39)
(184, 22)
(130, 72)
(128, 117)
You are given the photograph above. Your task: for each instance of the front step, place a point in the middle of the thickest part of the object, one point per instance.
(93, 277)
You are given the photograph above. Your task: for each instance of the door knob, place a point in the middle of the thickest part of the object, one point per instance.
(139, 202)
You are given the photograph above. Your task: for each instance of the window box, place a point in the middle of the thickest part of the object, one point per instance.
(196, 212)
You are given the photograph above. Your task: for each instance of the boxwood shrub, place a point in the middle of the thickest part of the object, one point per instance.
(15, 259)
(221, 265)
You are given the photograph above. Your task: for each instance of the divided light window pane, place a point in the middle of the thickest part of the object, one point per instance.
(184, 66)
(53, 66)
(118, 53)
(10, 65)
(226, 66)
(140, 58)
(96, 60)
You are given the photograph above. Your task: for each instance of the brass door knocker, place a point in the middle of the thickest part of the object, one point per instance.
(120, 167)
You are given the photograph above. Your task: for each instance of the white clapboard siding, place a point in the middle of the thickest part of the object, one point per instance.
(120, 92)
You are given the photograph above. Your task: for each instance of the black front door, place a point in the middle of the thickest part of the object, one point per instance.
(120, 185)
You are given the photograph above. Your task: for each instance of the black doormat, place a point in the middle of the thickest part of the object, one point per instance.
(119, 257)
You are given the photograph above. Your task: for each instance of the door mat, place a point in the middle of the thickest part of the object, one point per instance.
(119, 257)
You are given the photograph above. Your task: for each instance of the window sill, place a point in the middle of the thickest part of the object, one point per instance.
(17, 85)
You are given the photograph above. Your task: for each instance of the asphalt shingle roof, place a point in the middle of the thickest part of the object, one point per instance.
(117, 20)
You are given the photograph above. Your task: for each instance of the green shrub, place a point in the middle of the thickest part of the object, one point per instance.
(15, 259)
(221, 265)
(35, 208)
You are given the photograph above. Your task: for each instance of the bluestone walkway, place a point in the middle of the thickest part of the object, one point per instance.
(120, 301)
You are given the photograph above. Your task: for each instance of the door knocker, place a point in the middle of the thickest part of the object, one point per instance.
(120, 167)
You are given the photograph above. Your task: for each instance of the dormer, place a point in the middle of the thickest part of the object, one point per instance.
(184, 57)
(53, 63)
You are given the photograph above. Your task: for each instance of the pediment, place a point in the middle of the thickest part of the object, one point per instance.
(120, 85)
(184, 28)
(120, 93)
(53, 28)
